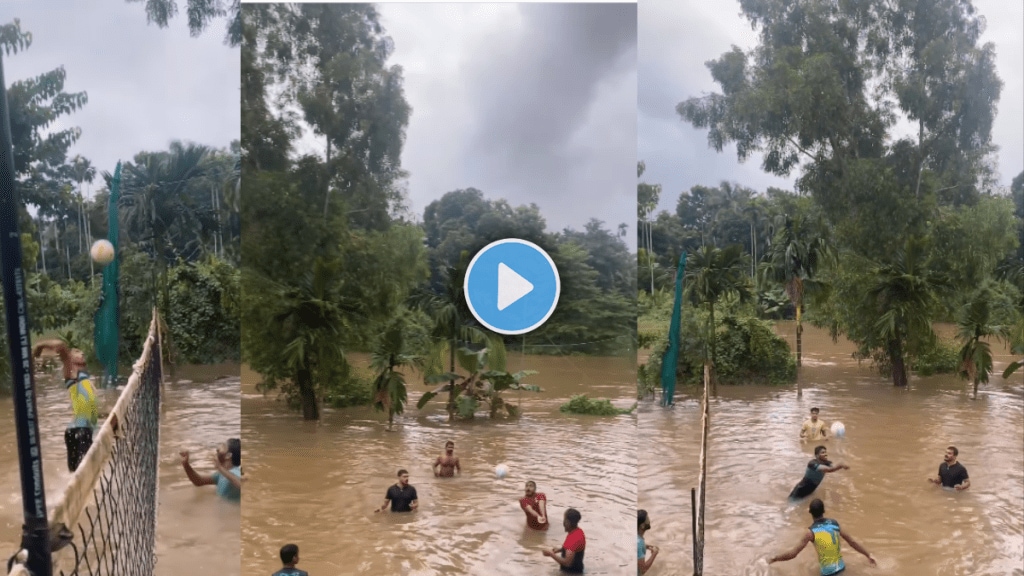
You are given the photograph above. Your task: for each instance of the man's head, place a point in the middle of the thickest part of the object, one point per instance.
(531, 487)
(817, 508)
(814, 414)
(403, 477)
(571, 519)
(289, 554)
(643, 521)
(951, 454)
(77, 359)
(821, 453)
(449, 447)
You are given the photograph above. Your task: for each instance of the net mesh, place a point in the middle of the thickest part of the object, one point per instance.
(104, 524)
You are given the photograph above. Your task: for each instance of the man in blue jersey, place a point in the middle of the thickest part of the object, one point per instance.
(824, 533)
(78, 435)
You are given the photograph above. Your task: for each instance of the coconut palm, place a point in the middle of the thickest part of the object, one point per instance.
(795, 255)
(711, 275)
(390, 355)
(975, 323)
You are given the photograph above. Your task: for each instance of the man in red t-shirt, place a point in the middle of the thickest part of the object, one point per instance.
(571, 559)
(535, 505)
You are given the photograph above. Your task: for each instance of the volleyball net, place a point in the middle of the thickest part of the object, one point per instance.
(104, 523)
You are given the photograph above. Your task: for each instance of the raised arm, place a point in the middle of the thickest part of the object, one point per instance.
(645, 565)
(807, 539)
(236, 481)
(196, 478)
(62, 350)
(853, 544)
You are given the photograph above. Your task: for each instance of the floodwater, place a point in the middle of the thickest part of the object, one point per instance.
(895, 440)
(195, 529)
(316, 485)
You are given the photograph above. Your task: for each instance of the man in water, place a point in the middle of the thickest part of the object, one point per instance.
(78, 435)
(535, 504)
(643, 524)
(290, 557)
(815, 473)
(401, 496)
(952, 474)
(814, 429)
(448, 462)
(570, 555)
(825, 534)
(227, 476)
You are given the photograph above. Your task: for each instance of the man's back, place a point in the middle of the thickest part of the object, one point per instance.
(290, 572)
(826, 544)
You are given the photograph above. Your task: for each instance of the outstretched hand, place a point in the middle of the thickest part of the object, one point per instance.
(184, 456)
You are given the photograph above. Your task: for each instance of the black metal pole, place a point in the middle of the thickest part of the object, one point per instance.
(693, 516)
(35, 532)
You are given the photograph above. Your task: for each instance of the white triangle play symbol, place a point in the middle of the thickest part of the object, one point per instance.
(511, 286)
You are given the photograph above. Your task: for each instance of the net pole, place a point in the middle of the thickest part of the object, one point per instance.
(35, 531)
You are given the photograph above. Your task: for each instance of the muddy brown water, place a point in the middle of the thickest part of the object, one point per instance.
(894, 440)
(316, 485)
(196, 530)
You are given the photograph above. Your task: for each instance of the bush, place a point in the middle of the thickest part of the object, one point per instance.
(580, 404)
(203, 315)
(942, 358)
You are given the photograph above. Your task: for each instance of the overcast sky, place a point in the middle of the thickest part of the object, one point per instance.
(533, 103)
(677, 38)
(146, 85)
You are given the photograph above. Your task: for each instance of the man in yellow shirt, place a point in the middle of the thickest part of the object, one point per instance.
(78, 436)
(814, 429)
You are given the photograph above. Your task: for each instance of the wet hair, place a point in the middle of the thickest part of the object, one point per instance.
(288, 553)
(402, 471)
(235, 449)
(449, 443)
(529, 482)
(641, 518)
(817, 508)
(819, 450)
(953, 448)
(815, 410)
(573, 516)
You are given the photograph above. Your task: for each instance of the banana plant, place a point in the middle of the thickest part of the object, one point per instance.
(479, 386)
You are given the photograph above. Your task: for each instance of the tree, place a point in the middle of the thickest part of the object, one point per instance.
(200, 14)
(711, 275)
(974, 324)
(794, 256)
(647, 196)
(389, 357)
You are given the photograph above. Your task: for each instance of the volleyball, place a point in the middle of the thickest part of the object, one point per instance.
(102, 252)
(501, 471)
(838, 430)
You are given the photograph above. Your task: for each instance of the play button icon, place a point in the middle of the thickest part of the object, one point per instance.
(512, 286)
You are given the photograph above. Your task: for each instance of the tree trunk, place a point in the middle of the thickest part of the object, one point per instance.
(307, 395)
(327, 168)
(42, 244)
(899, 369)
(975, 388)
(799, 333)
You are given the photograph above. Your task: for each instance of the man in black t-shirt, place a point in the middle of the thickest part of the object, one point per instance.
(952, 474)
(401, 496)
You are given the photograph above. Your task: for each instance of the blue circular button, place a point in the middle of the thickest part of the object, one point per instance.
(512, 286)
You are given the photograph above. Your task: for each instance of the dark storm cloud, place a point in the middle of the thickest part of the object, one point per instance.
(534, 103)
(146, 85)
(677, 38)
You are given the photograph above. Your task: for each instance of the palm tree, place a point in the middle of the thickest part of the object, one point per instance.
(450, 313)
(389, 391)
(974, 324)
(311, 316)
(1012, 270)
(795, 254)
(711, 275)
(904, 295)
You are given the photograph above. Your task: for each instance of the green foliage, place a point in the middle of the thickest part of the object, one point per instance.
(203, 316)
(200, 14)
(940, 357)
(482, 385)
(581, 404)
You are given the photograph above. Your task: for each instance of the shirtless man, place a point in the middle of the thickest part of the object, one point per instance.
(448, 462)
